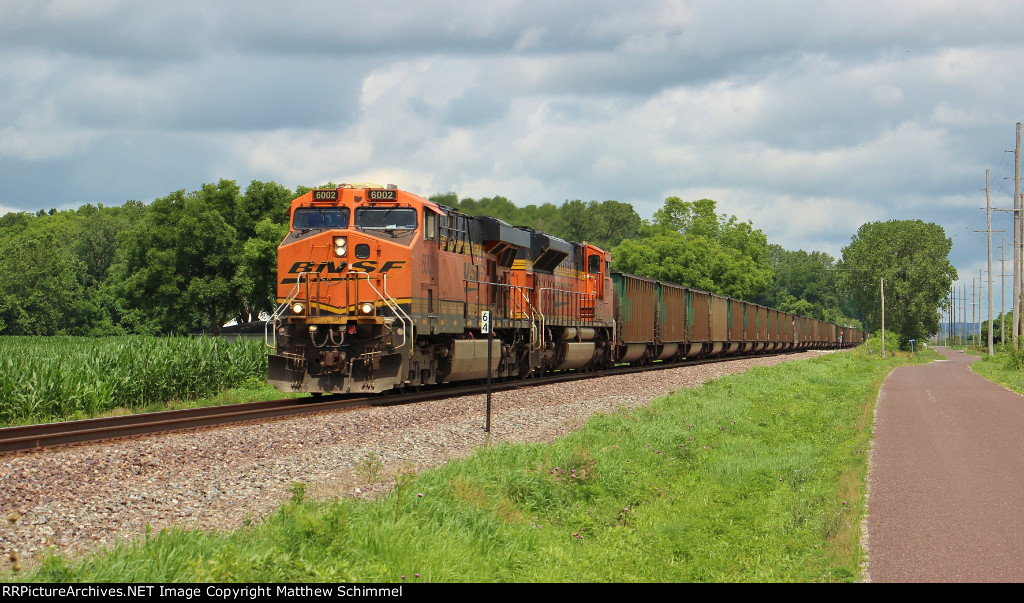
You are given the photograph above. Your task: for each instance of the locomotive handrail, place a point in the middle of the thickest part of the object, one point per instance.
(511, 287)
(570, 294)
(275, 317)
(580, 296)
(519, 305)
(400, 314)
(531, 315)
(397, 309)
(533, 311)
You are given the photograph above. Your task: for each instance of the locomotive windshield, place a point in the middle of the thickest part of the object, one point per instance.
(320, 218)
(386, 218)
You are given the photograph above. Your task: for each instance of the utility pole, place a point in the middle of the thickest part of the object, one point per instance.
(952, 313)
(1002, 292)
(952, 310)
(988, 211)
(882, 287)
(959, 295)
(945, 327)
(1016, 239)
(988, 215)
(980, 288)
(964, 311)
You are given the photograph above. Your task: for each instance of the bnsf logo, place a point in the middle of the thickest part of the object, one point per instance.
(338, 268)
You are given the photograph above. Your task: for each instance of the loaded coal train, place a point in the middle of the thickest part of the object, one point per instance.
(380, 289)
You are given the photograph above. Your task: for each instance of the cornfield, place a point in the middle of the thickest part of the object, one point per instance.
(55, 378)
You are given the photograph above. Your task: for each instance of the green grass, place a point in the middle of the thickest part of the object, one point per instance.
(1003, 368)
(758, 477)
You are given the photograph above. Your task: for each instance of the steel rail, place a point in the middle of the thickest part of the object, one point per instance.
(46, 435)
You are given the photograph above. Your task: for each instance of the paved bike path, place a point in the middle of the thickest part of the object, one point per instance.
(946, 500)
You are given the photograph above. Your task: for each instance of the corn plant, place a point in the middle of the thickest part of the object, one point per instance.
(47, 378)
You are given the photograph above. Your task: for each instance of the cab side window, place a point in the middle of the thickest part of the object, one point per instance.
(429, 226)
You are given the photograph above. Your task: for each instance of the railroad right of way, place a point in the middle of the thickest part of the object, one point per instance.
(75, 499)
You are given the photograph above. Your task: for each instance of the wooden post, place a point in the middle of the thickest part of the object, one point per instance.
(988, 212)
(1016, 239)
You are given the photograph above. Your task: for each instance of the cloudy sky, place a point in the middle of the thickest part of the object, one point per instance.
(808, 118)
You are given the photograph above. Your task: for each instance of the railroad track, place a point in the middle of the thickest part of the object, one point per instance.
(47, 435)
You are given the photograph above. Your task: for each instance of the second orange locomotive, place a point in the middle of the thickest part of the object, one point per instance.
(381, 289)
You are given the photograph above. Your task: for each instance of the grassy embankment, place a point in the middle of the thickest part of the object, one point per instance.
(1004, 367)
(753, 477)
(44, 379)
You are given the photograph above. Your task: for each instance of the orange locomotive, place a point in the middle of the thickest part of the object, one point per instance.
(382, 289)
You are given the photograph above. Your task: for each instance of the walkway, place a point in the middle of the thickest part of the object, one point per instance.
(946, 497)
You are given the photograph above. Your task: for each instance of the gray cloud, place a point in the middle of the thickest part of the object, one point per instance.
(475, 107)
(806, 117)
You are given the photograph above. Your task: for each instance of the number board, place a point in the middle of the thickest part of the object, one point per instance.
(378, 194)
(485, 321)
(325, 195)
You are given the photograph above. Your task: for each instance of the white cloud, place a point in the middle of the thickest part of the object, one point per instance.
(886, 95)
(40, 134)
(532, 38)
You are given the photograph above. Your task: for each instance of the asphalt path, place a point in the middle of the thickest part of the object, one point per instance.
(946, 484)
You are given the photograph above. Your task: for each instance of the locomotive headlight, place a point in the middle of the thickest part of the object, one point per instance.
(366, 308)
(297, 308)
(340, 246)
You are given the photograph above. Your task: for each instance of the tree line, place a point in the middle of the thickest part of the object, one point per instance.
(196, 260)
(688, 242)
(185, 262)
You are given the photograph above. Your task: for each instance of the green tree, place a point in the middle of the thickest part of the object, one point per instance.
(302, 189)
(574, 226)
(180, 263)
(187, 261)
(913, 258)
(807, 284)
(225, 197)
(690, 244)
(199, 259)
(42, 281)
(692, 218)
(261, 223)
(262, 200)
(69, 292)
(997, 328)
(450, 199)
(98, 245)
(545, 217)
(604, 224)
(256, 278)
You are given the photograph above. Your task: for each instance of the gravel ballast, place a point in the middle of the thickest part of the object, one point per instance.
(73, 500)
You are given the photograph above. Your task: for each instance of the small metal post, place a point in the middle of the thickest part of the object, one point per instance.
(485, 324)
